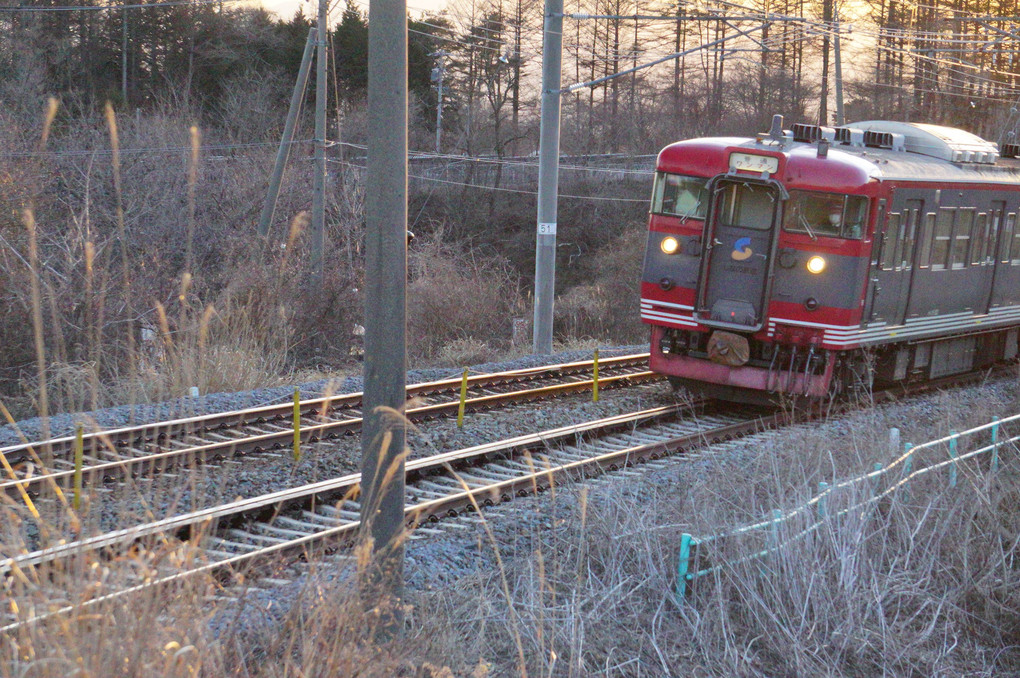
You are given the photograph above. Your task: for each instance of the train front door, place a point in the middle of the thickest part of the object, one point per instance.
(739, 247)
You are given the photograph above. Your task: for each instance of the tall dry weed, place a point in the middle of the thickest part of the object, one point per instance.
(457, 296)
(922, 582)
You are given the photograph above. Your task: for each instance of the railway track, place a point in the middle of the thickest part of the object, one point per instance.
(159, 447)
(238, 538)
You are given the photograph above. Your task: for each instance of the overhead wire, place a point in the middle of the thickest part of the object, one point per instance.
(142, 150)
(501, 189)
(99, 8)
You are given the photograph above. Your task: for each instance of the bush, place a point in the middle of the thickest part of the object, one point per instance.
(457, 296)
(607, 309)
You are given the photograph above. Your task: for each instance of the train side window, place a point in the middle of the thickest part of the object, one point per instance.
(876, 248)
(925, 239)
(889, 239)
(907, 238)
(962, 236)
(979, 242)
(943, 237)
(855, 217)
(1011, 225)
(1007, 238)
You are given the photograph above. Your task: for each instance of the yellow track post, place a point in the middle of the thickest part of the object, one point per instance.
(79, 457)
(297, 424)
(595, 379)
(463, 399)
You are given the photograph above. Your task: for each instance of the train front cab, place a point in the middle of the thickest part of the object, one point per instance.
(748, 271)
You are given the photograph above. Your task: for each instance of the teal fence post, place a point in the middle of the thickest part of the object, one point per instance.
(684, 575)
(777, 517)
(995, 445)
(952, 455)
(823, 497)
(908, 463)
(878, 479)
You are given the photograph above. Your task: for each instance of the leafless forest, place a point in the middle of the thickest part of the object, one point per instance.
(138, 144)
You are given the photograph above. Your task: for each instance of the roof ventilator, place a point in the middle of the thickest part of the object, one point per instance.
(876, 139)
(850, 136)
(812, 133)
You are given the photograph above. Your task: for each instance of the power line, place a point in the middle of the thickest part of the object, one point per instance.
(152, 150)
(101, 8)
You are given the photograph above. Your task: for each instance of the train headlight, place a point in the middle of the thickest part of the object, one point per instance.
(815, 265)
(669, 245)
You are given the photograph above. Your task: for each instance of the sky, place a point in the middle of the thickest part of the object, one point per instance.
(286, 8)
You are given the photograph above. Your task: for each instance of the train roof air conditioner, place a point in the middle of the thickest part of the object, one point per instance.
(936, 141)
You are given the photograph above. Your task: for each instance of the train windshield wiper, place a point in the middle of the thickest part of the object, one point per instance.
(807, 226)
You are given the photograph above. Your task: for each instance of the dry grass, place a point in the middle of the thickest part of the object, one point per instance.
(605, 308)
(460, 305)
(925, 584)
(118, 255)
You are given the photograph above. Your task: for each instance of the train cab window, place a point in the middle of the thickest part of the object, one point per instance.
(746, 205)
(680, 196)
(943, 238)
(980, 240)
(826, 214)
(962, 236)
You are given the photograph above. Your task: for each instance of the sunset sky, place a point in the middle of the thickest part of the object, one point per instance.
(286, 8)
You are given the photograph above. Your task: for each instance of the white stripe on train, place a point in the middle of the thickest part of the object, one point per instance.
(846, 335)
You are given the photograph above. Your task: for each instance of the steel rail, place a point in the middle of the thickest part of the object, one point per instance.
(459, 499)
(163, 430)
(184, 524)
(308, 434)
(536, 479)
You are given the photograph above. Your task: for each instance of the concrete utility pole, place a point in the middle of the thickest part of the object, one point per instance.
(823, 104)
(548, 177)
(437, 77)
(283, 153)
(381, 582)
(319, 182)
(124, 54)
(839, 74)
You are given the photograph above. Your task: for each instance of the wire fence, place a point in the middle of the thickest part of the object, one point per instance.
(862, 493)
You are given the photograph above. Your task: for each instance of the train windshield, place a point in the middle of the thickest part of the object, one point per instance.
(827, 214)
(680, 196)
(746, 205)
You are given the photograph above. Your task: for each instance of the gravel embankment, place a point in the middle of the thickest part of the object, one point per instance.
(144, 413)
(259, 474)
(463, 546)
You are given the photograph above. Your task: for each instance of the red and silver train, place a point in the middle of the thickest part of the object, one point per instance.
(816, 260)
